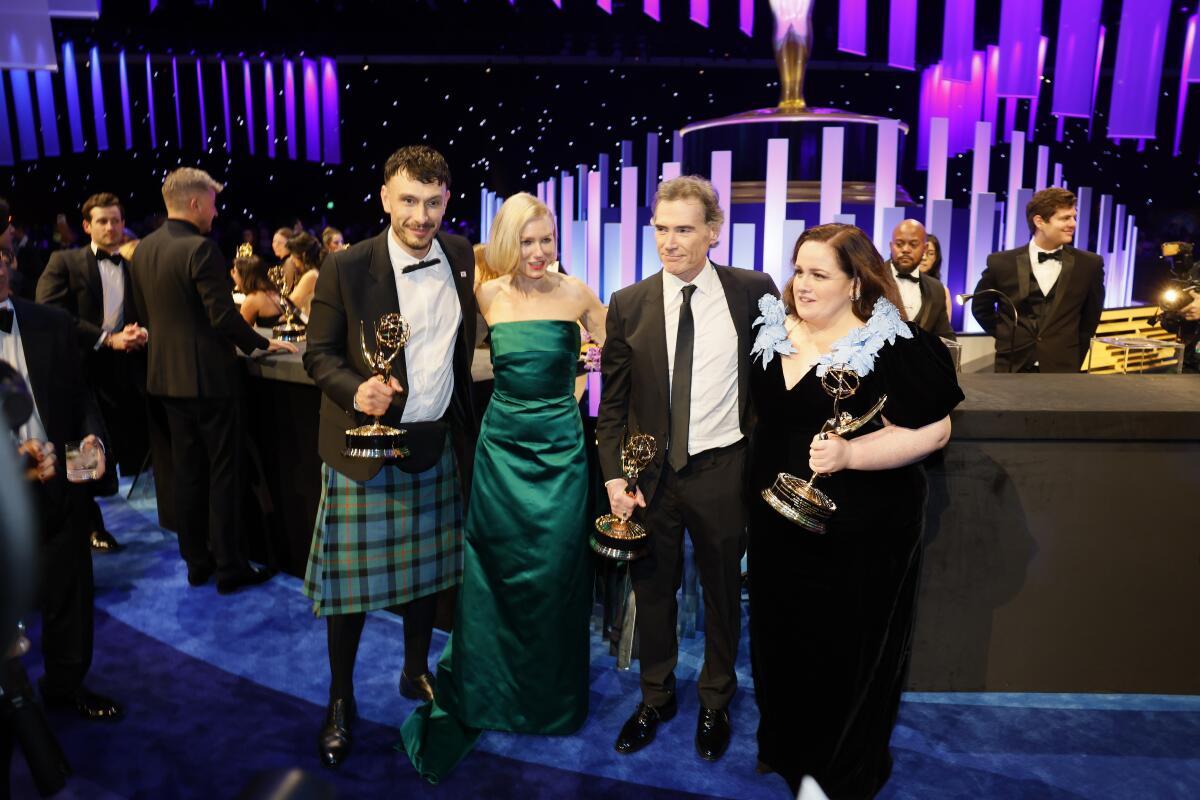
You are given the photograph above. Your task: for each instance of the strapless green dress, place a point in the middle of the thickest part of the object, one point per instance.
(518, 657)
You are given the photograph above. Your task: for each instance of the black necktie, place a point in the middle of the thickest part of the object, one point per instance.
(115, 258)
(1055, 256)
(908, 276)
(681, 383)
(6, 319)
(420, 265)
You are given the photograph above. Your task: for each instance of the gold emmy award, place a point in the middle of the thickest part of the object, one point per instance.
(290, 328)
(378, 440)
(621, 539)
(798, 500)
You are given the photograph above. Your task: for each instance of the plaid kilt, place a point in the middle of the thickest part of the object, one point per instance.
(387, 541)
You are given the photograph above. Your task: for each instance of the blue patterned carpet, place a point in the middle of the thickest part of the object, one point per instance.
(220, 689)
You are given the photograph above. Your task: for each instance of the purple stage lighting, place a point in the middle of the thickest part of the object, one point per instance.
(1075, 57)
(71, 84)
(178, 116)
(98, 101)
(1189, 72)
(1096, 79)
(902, 34)
(650, 8)
(312, 111)
(746, 16)
(289, 106)
(46, 112)
(1137, 75)
(6, 145)
(1020, 33)
(248, 94)
(852, 26)
(225, 112)
(150, 103)
(269, 99)
(126, 110)
(329, 111)
(605, 6)
(698, 12)
(23, 104)
(203, 115)
(958, 41)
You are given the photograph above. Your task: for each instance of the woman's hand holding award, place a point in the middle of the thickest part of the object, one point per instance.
(623, 539)
(377, 440)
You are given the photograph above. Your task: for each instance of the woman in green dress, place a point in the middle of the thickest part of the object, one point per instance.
(518, 657)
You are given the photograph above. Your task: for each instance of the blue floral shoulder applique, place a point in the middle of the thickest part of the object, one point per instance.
(772, 337)
(857, 349)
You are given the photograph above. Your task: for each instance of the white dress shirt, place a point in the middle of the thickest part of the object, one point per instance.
(429, 301)
(910, 293)
(112, 280)
(1047, 272)
(714, 407)
(12, 351)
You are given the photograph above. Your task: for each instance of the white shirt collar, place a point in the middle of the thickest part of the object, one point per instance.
(7, 303)
(1034, 249)
(706, 282)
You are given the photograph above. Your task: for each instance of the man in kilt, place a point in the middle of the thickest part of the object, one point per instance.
(389, 534)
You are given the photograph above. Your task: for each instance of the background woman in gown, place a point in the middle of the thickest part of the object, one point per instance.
(518, 657)
(831, 615)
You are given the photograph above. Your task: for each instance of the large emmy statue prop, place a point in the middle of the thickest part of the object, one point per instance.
(378, 440)
(621, 539)
(798, 500)
(290, 327)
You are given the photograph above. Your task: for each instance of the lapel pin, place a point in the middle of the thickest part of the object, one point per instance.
(462, 274)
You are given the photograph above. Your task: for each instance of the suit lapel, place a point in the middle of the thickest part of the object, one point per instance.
(1024, 274)
(92, 272)
(926, 311)
(740, 311)
(656, 329)
(38, 359)
(1060, 285)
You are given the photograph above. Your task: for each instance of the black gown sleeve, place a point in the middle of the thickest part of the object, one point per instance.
(919, 379)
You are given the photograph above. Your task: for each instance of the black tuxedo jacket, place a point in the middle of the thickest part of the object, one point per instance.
(64, 403)
(933, 317)
(356, 287)
(636, 395)
(71, 281)
(1058, 341)
(184, 297)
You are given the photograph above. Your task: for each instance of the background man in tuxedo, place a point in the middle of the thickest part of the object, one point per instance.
(183, 293)
(676, 365)
(40, 343)
(925, 298)
(92, 284)
(1058, 291)
(390, 534)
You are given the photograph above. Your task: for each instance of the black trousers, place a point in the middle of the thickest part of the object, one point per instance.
(65, 593)
(706, 498)
(207, 455)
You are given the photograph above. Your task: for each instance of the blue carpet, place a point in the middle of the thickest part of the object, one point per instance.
(219, 689)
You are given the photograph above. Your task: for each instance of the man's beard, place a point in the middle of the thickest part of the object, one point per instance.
(409, 238)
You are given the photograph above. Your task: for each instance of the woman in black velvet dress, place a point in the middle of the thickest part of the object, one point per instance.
(831, 615)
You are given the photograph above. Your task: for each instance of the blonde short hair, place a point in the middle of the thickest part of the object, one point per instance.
(181, 184)
(503, 251)
(693, 187)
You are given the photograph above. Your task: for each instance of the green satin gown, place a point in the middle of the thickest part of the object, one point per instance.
(518, 657)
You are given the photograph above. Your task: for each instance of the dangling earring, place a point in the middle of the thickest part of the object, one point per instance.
(854, 294)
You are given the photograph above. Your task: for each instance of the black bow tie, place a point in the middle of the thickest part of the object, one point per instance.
(115, 258)
(420, 265)
(6, 319)
(909, 276)
(1055, 256)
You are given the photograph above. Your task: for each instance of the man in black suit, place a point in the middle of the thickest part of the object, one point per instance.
(184, 295)
(1058, 290)
(92, 285)
(676, 365)
(924, 296)
(389, 533)
(40, 343)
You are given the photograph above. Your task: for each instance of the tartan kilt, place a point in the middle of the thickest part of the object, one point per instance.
(386, 541)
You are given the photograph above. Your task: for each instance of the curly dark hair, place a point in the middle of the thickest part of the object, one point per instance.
(419, 162)
(307, 250)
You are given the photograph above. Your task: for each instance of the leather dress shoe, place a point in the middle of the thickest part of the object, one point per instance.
(418, 688)
(333, 743)
(103, 542)
(712, 733)
(638, 731)
(85, 703)
(250, 576)
(198, 576)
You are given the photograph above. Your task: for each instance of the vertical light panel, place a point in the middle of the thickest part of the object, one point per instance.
(581, 184)
(1114, 276)
(627, 153)
(1020, 32)
(610, 259)
(1137, 74)
(981, 163)
(484, 205)
(98, 102)
(676, 147)
(203, 115)
(979, 247)
(47, 114)
(833, 141)
(651, 166)
(775, 211)
(605, 6)
(1186, 75)
(175, 94)
(1043, 48)
(650, 261)
(6, 145)
(722, 181)
(886, 165)
(551, 195)
(71, 84)
(671, 169)
(1016, 169)
(698, 12)
(126, 109)
(594, 230)
(289, 106)
(150, 104)
(1131, 249)
(651, 9)
(939, 220)
(23, 105)
(742, 251)
(331, 140)
(1103, 221)
(312, 111)
(1075, 57)
(1057, 180)
(628, 227)
(1083, 220)
(902, 34)
(269, 99)
(958, 40)
(852, 26)
(248, 97)
(1041, 176)
(746, 16)
(541, 191)
(566, 220)
(991, 81)
(1096, 79)
(939, 139)
(226, 114)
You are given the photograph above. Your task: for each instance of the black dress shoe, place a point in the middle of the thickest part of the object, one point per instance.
(251, 576)
(198, 576)
(712, 733)
(85, 703)
(103, 542)
(333, 743)
(418, 688)
(638, 731)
